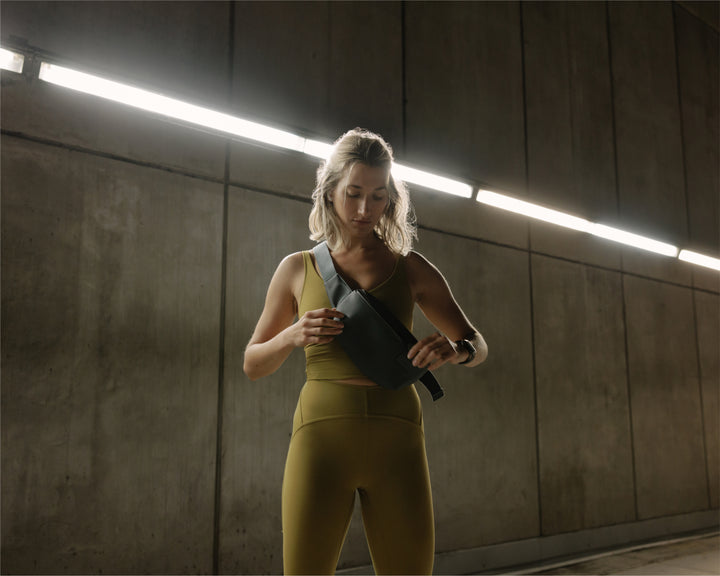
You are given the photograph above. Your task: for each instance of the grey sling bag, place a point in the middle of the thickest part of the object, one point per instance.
(374, 339)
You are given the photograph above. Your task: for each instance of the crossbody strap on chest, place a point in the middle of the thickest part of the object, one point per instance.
(335, 285)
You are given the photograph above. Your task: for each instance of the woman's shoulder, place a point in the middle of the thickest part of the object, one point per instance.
(290, 274)
(423, 275)
(292, 263)
(416, 262)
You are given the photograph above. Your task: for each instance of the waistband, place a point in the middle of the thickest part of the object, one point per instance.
(327, 399)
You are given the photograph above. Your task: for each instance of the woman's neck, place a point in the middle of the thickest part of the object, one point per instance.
(360, 245)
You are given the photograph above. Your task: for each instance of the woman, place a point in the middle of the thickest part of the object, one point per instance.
(348, 433)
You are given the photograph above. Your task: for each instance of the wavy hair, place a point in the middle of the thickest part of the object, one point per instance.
(396, 227)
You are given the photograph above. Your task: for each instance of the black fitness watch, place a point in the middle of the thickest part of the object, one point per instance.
(469, 348)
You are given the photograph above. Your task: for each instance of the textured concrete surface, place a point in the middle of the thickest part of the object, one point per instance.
(179, 47)
(480, 438)
(648, 129)
(105, 38)
(698, 65)
(257, 416)
(112, 257)
(110, 367)
(647, 119)
(584, 436)
(707, 313)
(323, 66)
(464, 90)
(668, 442)
(569, 107)
(570, 124)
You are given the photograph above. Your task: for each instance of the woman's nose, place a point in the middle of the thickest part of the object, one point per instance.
(363, 206)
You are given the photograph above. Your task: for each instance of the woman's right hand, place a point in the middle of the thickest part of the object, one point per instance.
(277, 332)
(317, 327)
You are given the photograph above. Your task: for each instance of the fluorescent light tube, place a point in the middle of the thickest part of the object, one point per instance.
(11, 61)
(169, 107)
(433, 181)
(633, 240)
(533, 210)
(699, 259)
(323, 150)
(317, 149)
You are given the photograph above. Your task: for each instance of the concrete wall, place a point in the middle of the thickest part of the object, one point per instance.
(136, 253)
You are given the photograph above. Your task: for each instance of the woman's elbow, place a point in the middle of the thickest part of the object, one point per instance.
(481, 350)
(483, 353)
(251, 369)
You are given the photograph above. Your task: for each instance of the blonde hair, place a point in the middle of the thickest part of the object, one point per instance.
(396, 227)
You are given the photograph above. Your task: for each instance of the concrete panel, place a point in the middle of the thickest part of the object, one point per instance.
(571, 164)
(586, 468)
(698, 51)
(464, 91)
(365, 73)
(272, 169)
(111, 299)
(549, 239)
(455, 215)
(707, 12)
(706, 278)
(257, 416)
(49, 112)
(652, 265)
(668, 441)
(481, 437)
(322, 67)
(707, 316)
(180, 48)
(648, 134)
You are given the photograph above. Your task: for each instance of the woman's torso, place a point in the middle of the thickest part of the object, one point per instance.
(329, 361)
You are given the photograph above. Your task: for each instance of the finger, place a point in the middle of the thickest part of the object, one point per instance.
(332, 313)
(324, 313)
(334, 326)
(418, 346)
(434, 353)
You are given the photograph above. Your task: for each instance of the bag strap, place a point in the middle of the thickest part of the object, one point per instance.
(337, 288)
(335, 285)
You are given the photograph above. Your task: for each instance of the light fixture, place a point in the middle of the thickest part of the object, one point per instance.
(11, 61)
(634, 240)
(573, 222)
(317, 149)
(404, 173)
(699, 259)
(433, 181)
(169, 107)
(225, 123)
(533, 210)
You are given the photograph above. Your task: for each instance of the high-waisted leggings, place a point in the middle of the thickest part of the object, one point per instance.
(349, 438)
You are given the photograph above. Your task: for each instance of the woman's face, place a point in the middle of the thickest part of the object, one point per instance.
(361, 197)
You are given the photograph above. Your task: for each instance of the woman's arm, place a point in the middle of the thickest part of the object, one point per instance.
(276, 336)
(433, 295)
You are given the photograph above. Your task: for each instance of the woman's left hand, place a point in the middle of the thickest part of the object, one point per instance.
(433, 351)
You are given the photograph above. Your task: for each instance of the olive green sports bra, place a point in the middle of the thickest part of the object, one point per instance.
(329, 361)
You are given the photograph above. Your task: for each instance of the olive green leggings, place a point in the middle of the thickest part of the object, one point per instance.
(350, 438)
